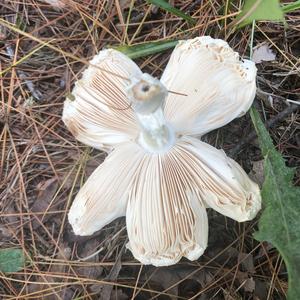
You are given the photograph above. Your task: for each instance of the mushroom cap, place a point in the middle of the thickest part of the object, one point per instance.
(98, 111)
(163, 195)
(218, 84)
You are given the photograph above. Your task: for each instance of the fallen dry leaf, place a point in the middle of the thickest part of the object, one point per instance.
(4, 232)
(46, 192)
(168, 278)
(257, 172)
(124, 4)
(247, 262)
(263, 53)
(56, 3)
(88, 253)
(249, 285)
(261, 290)
(112, 276)
(118, 294)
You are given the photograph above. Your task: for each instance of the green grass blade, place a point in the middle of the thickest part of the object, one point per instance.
(280, 220)
(291, 6)
(168, 7)
(145, 49)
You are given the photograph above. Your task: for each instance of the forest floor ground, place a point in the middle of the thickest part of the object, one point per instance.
(43, 166)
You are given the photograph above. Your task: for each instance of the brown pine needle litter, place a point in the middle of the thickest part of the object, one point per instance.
(44, 47)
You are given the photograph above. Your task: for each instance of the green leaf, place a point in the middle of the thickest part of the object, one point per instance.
(280, 220)
(146, 48)
(291, 6)
(11, 260)
(166, 6)
(259, 10)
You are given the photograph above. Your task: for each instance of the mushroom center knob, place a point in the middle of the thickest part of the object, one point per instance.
(146, 94)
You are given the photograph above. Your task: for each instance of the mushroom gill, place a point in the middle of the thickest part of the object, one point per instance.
(100, 109)
(219, 86)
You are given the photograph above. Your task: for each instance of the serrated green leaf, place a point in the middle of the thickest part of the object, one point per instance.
(168, 7)
(291, 6)
(146, 48)
(259, 10)
(11, 260)
(280, 221)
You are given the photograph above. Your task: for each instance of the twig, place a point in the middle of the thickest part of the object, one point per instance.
(269, 124)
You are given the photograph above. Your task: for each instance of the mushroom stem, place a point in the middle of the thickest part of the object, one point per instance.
(156, 135)
(147, 95)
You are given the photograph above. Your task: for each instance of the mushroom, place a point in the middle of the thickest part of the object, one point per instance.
(158, 173)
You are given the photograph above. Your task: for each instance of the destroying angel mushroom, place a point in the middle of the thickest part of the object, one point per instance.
(157, 172)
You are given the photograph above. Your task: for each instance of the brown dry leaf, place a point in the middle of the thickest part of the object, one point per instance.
(86, 253)
(66, 293)
(168, 277)
(118, 294)
(247, 262)
(56, 3)
(64, 254)
(227, 295)
(112, 276)
(242, 276)
(5, 233)
(11, 220)
(263, 53)
(2, 32)
(249, 285)
(124, 4)
(261, 290)
(257, 172)
(46, 192)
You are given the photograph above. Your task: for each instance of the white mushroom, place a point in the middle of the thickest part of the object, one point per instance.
(159, 174)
